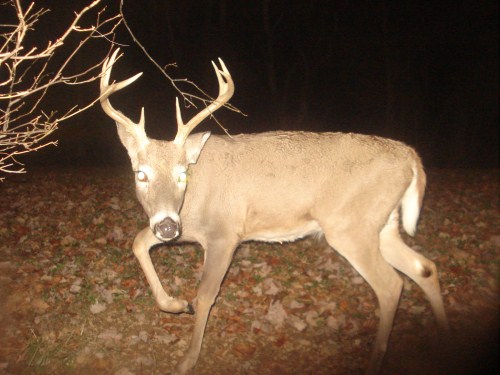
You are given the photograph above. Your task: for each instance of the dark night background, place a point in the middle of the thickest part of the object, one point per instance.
(425, 73)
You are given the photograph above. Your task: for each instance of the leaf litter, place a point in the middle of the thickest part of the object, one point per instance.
(73, 299)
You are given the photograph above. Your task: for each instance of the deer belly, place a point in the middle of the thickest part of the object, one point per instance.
(283, 233)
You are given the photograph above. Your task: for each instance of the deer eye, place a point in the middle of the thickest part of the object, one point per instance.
(142, 176)
(182, 177)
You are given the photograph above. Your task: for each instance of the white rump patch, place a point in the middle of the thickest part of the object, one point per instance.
(410, 206)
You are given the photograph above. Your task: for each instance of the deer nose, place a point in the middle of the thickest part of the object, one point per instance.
(167, 229)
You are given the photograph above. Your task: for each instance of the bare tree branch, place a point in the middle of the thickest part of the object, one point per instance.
(28, 72)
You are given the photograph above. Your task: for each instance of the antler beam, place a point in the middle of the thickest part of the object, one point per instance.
(226, 91)
(107, 90)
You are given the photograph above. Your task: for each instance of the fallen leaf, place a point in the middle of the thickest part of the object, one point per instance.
(276, 314)
(311, 317)
(296, 323)
(245, 349)
(39, 305)
(271, 287)
(97, 308)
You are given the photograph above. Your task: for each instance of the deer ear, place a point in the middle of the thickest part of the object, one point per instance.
(193, 146)
(130, 142)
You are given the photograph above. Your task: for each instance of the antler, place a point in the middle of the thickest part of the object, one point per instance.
(107, 90)
(226, 91)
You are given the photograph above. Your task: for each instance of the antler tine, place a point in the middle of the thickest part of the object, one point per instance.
(226, 91)
(107, 90)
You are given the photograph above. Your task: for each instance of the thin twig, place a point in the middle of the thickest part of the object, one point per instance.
(188, 98)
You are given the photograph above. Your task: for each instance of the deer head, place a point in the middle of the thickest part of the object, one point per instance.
(161, 167)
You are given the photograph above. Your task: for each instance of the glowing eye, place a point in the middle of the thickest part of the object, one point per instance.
(142, 176)
(182, 177)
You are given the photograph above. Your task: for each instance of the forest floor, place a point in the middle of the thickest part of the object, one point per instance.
(73, 299)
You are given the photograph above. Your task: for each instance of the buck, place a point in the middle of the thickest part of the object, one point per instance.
(219, 191)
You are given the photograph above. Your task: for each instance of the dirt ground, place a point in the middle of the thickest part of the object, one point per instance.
(73, 299)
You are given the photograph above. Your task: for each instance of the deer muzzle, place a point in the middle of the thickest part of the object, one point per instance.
(167, 229)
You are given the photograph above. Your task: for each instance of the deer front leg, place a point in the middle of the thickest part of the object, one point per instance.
(218, 257)
(143, 242)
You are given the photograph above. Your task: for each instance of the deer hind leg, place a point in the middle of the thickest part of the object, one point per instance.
(143, 242)
(218, 257)
(416, 266)
(362, 251)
